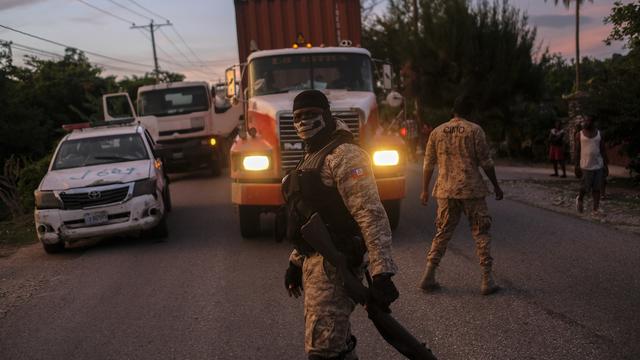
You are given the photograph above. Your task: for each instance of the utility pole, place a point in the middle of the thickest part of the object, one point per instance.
(577, 45)
(152, 29)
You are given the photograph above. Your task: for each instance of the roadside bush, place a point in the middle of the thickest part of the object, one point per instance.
(30, 177)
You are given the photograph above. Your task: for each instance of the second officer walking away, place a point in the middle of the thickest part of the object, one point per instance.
(459, 148)
(334, 179)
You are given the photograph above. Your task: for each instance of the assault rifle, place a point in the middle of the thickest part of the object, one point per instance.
(315, 233)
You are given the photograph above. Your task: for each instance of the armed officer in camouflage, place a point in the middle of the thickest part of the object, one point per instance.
(334, 179)
(459, 148)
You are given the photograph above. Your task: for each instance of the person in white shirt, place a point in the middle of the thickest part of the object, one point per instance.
(591, 163)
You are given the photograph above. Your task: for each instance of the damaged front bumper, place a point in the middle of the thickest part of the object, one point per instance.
(137, 214)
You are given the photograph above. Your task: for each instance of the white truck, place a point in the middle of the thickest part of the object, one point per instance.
(190, 128)
(102, 181)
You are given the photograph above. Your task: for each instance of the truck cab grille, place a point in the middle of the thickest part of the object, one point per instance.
(292, 147)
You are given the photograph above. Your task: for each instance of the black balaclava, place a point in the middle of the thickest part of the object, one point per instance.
(315, 132)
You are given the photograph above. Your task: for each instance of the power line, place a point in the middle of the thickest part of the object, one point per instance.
(130, 10)
(147, 10)
(73, 47)
(172, 28)
(42, 52)
(106, 12)
(176, 47)
(187, 45)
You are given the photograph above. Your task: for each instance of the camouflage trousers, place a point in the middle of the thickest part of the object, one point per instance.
(327, 308)
(448, 216)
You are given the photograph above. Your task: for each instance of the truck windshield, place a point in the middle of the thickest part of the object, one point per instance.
(100, 150)
(174, 101)
(283, 73)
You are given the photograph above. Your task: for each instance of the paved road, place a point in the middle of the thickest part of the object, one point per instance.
(572, 291)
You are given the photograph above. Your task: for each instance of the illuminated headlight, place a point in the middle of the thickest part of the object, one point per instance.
(46, 200)
(386, 158)
(255, 162)
(211, 141)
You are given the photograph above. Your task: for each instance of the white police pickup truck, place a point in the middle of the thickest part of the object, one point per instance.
(102, 181)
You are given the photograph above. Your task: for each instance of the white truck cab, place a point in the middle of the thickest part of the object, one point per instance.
(102, 181)
(187, 125)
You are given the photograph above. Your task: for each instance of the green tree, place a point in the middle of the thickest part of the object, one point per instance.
(625, 19)
(484, 50)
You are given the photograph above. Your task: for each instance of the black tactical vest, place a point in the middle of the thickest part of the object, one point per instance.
(305, 194)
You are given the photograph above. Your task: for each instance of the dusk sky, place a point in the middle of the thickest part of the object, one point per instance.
(208, 28)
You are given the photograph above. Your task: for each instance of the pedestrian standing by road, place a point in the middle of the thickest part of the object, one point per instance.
(592, 164)
(334, 179)
(459, 147)
(556, 149)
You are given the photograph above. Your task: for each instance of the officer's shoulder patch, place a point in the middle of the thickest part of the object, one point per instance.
(357, 173)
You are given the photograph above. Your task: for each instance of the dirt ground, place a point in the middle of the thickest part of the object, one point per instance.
(621, 206)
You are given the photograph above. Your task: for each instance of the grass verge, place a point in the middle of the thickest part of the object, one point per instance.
(16, 233)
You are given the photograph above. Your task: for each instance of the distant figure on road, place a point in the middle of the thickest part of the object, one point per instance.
(458, 147)
(411, 137)
(335, 180)
(556, 149)
(591, 164)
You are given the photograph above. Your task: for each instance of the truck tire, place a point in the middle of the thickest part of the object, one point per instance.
(249, 221)
(392, 207)
(160, 231)
(53, 248)
(215, 168)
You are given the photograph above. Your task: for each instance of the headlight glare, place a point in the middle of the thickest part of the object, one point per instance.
(386, 158)
(46, 200)
(255, 162)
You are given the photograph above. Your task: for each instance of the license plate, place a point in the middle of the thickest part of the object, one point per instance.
(178, 155)
(98, 218)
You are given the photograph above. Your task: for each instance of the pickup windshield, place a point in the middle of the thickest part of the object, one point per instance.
(100, 150)
(174, 101)
(283, 73)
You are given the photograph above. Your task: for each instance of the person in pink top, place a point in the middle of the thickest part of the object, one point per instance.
(591, 163)
(556, 149)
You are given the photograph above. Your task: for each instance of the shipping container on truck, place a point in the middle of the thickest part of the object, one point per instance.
(275, 24)
(286, 46)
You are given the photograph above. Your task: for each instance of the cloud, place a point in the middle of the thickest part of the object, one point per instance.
(8, 4)
(591, 44)
(559, 21)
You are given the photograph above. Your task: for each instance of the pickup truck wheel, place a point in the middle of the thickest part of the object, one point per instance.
(392, 207)
(249, 221)
(215, 168)
(160, 231)
(54, 248)
(167, 200)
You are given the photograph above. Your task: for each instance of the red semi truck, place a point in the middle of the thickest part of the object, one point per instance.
(286, 46)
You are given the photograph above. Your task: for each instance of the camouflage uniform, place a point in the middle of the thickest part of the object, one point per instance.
(459, 148)
(327, 306)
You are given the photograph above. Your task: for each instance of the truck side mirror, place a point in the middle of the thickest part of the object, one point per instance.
(230, 76)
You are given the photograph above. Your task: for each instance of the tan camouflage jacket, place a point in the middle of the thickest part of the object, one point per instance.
(458, 147)
(348, 167)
